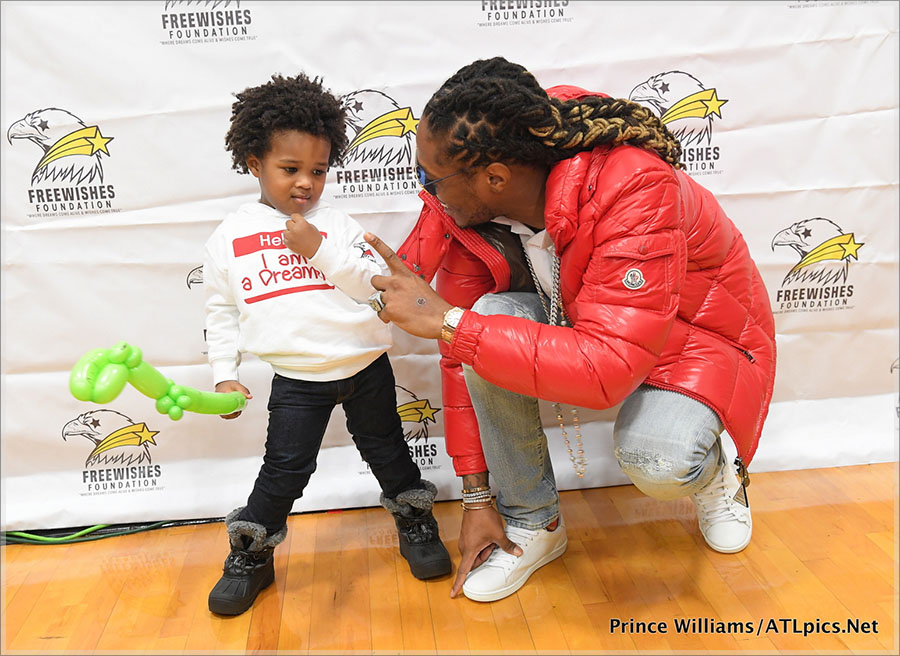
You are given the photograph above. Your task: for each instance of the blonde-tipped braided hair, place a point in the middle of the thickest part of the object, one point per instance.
(495, 110)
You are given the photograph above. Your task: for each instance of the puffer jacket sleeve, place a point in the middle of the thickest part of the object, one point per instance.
(461, 435)
(423, 252)
(622, 306)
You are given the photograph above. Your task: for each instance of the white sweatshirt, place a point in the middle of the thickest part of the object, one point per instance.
(298, 315)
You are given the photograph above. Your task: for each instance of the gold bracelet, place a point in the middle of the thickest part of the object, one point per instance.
(481, 506)
(472, 490)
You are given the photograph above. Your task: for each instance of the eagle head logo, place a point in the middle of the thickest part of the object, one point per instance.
(379, 130)
(116, 439)
(823, 248)
(195, 276)
(683, 104)
(70, 150)
(415, 413)
(365, 251)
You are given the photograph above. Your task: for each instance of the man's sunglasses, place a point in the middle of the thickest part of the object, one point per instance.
(428, 184)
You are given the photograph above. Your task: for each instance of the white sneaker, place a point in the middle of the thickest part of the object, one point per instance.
(724, 512)
(502, 573)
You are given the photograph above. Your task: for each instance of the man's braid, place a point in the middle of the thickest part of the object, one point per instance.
(495, 110)
(593, 120)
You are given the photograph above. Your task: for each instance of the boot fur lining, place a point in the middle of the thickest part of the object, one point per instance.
(421, 499)
(239, 528)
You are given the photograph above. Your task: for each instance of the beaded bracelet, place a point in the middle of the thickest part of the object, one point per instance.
(476, 496)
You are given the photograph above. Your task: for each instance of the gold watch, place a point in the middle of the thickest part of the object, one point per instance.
(451, 321)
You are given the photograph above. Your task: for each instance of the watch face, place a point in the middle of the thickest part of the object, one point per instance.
(453, 317)
(451, 320)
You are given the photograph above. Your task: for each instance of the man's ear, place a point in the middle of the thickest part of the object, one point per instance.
(254, 165)
(498, 176)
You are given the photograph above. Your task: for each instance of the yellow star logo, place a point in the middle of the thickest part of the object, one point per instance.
(841, 247)
(98, 142)
(697, 105)
(133, 435)
(713, 105)
(145, 434)
(85, 141)
(419, 410)
(428, 412)
(409, 124)
(396, 123)
(850, 248)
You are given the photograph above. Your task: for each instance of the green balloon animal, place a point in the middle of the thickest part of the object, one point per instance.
(100, 375)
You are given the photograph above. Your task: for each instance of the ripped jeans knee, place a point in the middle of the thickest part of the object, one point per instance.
(667, 443)
(661, 476)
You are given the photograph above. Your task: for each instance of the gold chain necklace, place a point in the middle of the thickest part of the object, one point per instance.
(578, 460)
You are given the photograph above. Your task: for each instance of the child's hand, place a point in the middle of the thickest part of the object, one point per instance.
(301, 236)
(233, 386)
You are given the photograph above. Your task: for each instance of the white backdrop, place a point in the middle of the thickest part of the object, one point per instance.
(796, 121)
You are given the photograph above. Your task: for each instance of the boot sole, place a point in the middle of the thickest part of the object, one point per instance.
(428, 570)
(225, 607)
(518, 583)
(431, 571)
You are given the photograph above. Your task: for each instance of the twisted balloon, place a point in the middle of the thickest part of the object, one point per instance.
(100, 375)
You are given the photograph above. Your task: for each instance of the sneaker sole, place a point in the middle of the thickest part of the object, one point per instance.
(512, 587)
(730, 550)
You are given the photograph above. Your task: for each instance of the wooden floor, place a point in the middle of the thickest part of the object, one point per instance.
(823, 558)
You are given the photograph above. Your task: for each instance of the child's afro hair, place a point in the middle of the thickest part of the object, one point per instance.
(292, 103)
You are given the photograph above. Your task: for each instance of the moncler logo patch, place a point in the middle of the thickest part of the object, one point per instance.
(633, 279)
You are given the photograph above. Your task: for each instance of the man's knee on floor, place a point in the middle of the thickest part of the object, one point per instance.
(656, 474)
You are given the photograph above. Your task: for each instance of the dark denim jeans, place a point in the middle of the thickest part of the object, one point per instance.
(298, 414)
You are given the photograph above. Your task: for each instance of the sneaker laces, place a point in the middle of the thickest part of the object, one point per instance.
(501, 558)
(715, 500)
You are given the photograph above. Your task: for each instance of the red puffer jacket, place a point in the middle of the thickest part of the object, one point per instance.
(694, 317)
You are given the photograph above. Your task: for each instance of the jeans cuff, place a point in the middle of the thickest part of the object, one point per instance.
(534, 525)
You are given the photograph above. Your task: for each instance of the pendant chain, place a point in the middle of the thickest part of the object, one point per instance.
(578, 460)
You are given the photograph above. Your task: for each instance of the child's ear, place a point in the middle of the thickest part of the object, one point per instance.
(254, 165)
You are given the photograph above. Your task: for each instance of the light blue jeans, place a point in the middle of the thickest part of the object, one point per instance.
(667, 443)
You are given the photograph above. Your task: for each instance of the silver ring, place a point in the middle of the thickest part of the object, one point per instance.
(376, 302)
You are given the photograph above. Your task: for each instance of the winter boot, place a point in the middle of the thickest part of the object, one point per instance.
(420, 541)
(249, 568)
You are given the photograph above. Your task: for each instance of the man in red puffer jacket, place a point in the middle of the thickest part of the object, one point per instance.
(576, 263)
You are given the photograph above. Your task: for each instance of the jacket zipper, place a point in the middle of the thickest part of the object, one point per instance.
(735, 345)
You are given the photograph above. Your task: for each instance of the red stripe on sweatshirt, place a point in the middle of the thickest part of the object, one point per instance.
(289, 290)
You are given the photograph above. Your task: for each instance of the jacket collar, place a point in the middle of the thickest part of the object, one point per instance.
(564, 187)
